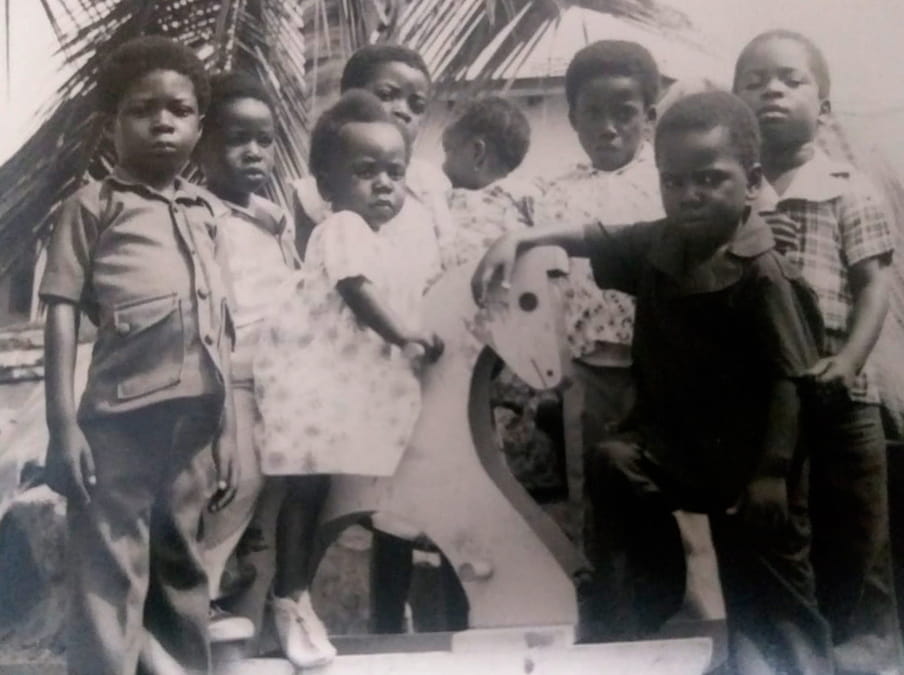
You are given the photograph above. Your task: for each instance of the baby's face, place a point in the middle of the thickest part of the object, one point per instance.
(459, 165)
(776, 80)
(705, 188)
(610, 118)
(368, 175)
(403, 90)
(238, 155)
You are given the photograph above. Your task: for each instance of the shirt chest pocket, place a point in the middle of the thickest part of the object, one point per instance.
(146, 347)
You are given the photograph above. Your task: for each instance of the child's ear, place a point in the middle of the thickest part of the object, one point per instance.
(825, 109)
(323, 188)
(479, 151)
(571, 117)
(651, 115)
(754, 182)
(109, 121)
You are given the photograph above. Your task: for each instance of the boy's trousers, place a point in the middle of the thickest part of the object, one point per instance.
(773, 621)
(139, 597)
(224, 529)
(851, 545)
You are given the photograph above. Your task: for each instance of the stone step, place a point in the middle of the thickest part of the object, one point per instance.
(503, 654)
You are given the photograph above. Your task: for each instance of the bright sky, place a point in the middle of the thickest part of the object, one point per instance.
(861, 39)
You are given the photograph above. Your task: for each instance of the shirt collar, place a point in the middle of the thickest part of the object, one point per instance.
(259, 212)
(642, 158)
(818, 180)
(183, 191)
(752, 238)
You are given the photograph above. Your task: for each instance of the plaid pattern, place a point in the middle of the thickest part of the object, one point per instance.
(840, 220)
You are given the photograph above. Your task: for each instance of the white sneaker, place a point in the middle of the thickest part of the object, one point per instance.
(314, 626)
(225, 627)
(301, 634)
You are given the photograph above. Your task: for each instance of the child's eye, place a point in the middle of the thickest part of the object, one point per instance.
(365, 172)
(708, 178)
(236, 138)
(752, 82)
(624, 113)
(386, 93)
(418, 105)
(138, 109)
(397, 172)
(182, 110)
(265, 141)
(669, 183)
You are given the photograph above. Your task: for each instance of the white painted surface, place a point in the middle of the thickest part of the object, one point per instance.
(670, 657)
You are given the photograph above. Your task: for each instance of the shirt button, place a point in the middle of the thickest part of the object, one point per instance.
(122, 328)
(208, 340)
(202, 293)
(193, 252)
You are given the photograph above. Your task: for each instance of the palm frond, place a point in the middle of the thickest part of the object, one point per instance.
(297, 48)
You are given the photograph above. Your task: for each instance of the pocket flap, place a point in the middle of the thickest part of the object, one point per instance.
(138, 316)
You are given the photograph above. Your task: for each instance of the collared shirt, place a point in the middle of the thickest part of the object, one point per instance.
(145, 267)
(630, 194)
(840, 220)
(710, 344)
(260, 241)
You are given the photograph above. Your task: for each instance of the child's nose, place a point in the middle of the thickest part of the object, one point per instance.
(607, 128)
(382, 182)
(253, 152)
(690, 194)
(773, 87)
(402, 112)
(162, 121)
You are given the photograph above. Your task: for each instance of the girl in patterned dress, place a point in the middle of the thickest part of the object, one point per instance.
(335, 373)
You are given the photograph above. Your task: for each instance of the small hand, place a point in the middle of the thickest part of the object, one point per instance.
(225, 459)
(497, 263)
(427, 347)
(764, 504)
(70, 465)
(834, 373)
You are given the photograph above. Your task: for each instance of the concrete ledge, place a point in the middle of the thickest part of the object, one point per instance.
(667, 657)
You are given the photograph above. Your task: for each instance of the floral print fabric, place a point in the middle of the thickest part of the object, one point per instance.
(587, 195)
(480, 217)
(334, 396)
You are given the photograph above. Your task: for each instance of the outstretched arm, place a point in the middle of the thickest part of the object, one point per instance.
(70, 465)
(498, 262)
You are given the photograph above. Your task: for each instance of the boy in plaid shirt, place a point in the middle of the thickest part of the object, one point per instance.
(843, 244)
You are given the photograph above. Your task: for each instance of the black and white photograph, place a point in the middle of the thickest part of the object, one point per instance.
(405, 337)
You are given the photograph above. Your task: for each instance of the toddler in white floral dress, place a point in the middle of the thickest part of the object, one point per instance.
(334, 377)
(335, 374)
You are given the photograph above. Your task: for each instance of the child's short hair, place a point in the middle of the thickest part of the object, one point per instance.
(228, 87)
(500, 123)
(711, 109)
(355, 105)
(136, 58)
(360, 67)
(613, 57)
(818, 64)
